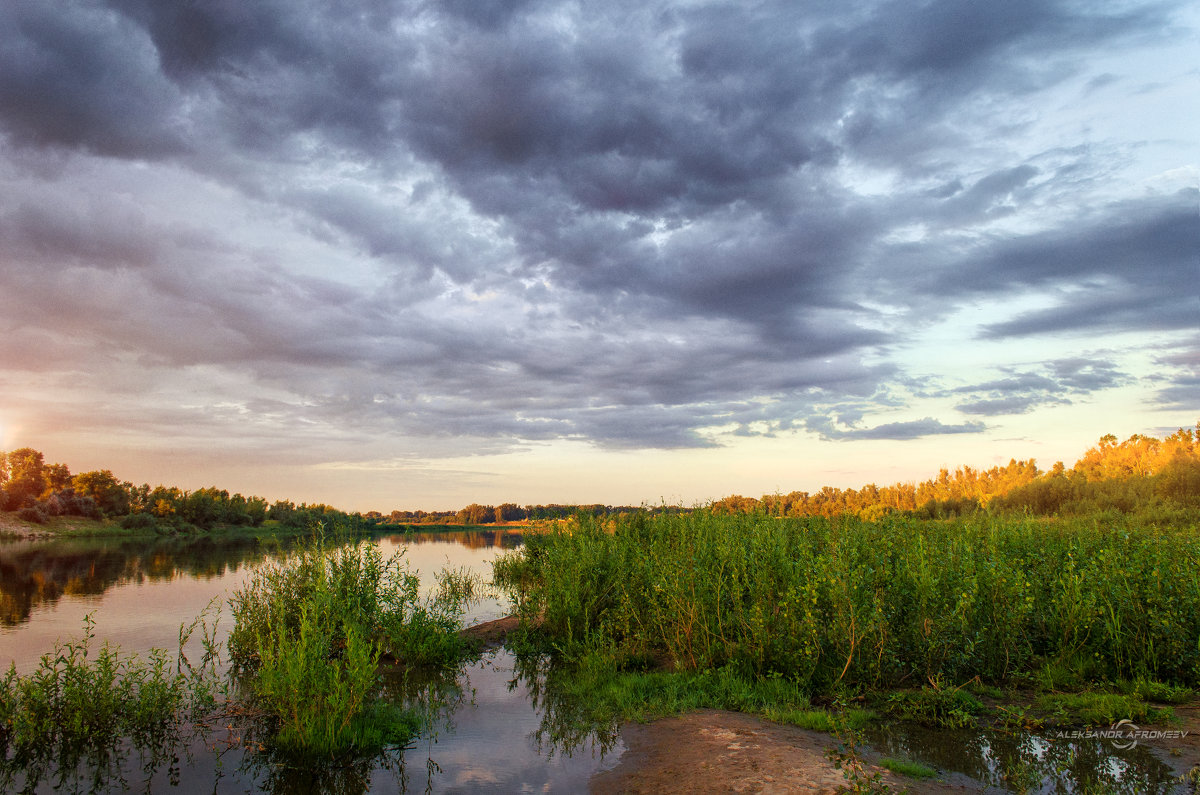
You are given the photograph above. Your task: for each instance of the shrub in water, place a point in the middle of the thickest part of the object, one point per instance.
(309, 635)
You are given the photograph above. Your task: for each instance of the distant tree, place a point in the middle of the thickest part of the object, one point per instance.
(109, 494)
(26, 478)
(509, 512)
(476, 514)
(282, 511)
(256, 509)
(57, 476)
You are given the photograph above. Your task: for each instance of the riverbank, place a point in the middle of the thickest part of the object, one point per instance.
(1016, 740)
(710, 751)
(12, 526)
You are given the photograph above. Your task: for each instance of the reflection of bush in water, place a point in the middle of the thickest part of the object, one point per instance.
(567, 724)
(36, 573)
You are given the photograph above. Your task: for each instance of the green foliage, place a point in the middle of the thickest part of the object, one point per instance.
(80, 703)
(1100, 709)
(309, 635)
(109, 494)
(140, 522)
(907, 767)
(940, 707)
(835, 604)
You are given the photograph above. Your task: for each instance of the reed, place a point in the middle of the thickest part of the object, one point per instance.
(831, 604)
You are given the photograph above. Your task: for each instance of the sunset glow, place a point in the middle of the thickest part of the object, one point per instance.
(615, 252)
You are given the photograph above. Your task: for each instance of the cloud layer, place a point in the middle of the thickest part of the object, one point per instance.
(466, 226)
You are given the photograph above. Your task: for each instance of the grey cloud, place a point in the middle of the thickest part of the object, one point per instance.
(618, 222)
(1000, 406)
(1148, 242)
(79, 77)
(1059, 380)
(1180, 368)
(1024, 382)
(912, 429)
(1086, 374)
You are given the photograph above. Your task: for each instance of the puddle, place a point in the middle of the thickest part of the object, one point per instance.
(1028, 762)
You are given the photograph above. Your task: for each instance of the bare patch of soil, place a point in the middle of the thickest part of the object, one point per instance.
(491, 633)
(712, 751)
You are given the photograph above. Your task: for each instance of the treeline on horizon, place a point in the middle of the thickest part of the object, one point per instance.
(1138, 474)
(37, 491)
(1135, 474)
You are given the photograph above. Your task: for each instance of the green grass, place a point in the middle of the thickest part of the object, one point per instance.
(1100, 709)
(83, 705)
(906, 767)
(837, 605)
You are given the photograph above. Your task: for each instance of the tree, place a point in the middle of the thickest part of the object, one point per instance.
(26, 478)
(58, 477)
(509, 512)
(477, 514)
(110, 495)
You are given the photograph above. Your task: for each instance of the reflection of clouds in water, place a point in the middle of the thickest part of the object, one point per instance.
(428, 553)
(493, 747)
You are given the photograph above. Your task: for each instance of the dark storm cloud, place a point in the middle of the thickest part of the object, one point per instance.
(1133, 264)
(619, 222)
(83, 77)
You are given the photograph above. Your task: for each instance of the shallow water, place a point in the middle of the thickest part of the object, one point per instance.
(1028, 762)
(139, 591)
(490, 736)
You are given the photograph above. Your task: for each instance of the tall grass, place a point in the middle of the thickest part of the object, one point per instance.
(309, 635)
(843, 603)
(92, 707)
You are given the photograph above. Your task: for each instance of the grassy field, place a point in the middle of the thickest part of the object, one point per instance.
(927, 611)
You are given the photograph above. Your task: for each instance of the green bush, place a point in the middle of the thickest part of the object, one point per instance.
(309, 635)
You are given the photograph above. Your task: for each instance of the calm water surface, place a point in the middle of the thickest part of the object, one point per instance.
(494, 737)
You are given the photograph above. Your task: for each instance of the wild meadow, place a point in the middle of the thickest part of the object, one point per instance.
(843, 606)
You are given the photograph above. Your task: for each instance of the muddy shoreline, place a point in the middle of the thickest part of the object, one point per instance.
(711, 751)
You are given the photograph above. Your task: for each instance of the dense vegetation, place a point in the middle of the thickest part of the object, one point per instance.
(845, 603)
(92, 708)
(1136, 474)
(309, 635)
(305, 685)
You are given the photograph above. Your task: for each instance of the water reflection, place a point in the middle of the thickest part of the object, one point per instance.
(35, 573)
(491, 726)
(1025, 762)
(566, 728)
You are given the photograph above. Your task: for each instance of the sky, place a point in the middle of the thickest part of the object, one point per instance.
(402, 254)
